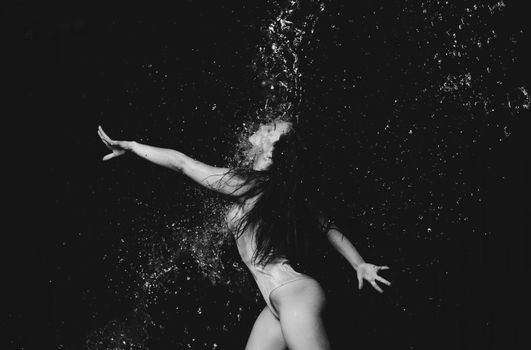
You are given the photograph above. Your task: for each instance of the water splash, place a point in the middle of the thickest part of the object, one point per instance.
(277, 64)
(460, 55)
(454, 83)
(277, 69)
(199, 249)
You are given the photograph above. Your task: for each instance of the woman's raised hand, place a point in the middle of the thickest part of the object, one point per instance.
(117, 147)
(369, 272)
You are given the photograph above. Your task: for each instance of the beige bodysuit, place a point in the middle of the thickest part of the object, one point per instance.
(270, 276)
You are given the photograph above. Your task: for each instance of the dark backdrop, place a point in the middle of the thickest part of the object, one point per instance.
(420, 113)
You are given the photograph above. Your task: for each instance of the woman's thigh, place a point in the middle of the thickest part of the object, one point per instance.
(300, 305)
(266, 333)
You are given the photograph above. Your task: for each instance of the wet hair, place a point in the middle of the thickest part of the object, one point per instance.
(285, 217)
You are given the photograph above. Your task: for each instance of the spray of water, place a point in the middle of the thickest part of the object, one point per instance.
(462, 54)
(204, 249)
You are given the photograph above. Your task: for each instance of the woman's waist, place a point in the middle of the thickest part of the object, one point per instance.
(278, 266)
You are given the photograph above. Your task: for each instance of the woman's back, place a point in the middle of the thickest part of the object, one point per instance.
(244, 241)
(245, 235)
(269, 276)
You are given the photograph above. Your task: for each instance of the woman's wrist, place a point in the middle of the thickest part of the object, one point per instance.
(357, 264)
(129, 145)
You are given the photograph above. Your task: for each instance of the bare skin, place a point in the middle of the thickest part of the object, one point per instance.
(300, 303)
(266, 333)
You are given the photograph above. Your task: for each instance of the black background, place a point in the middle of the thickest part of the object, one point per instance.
(153, 73)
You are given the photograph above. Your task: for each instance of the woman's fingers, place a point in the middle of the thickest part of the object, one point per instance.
(102, 136)
(105, 136)
(373, 283)
(383, 280)
(100, 130)
(114, 146)
(383, 267)
(360, 282)
(111, 144)
(106, 143)
(109, 156)
(101, 133)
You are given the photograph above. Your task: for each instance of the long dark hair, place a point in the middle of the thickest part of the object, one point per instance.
(285, 218)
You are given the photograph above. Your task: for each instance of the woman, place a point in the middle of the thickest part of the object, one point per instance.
(276, 226)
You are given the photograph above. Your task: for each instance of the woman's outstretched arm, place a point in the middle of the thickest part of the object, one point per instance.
(345, 247)
(213, 178)
(364, 271)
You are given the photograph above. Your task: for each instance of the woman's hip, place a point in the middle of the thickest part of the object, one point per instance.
(304, 292)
